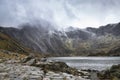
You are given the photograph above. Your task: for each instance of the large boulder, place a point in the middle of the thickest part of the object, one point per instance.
(50, 65)
(111, 74)
(57, 67)
(26, 59)
(31, 62)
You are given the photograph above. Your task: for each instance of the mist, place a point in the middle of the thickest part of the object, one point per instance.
(62, 13)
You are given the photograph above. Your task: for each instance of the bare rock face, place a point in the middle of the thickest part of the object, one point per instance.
(50, 41)
(45, 40)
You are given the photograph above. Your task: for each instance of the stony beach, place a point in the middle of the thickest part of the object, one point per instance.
(17, 70)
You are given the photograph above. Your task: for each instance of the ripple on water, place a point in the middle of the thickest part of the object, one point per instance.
(96, 63)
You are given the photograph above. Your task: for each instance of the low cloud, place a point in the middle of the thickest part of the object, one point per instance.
(64, 13)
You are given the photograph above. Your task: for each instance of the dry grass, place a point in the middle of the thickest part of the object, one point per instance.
(11, 55)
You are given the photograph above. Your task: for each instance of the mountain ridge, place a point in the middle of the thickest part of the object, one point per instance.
(90, 41)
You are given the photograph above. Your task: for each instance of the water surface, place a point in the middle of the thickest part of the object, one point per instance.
(94, 63)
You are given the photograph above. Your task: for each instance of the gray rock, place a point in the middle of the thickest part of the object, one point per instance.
(31, 62)
(24, 60)
(18, 71)
(4, 76)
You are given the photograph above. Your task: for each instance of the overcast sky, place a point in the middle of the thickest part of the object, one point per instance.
(64, 13)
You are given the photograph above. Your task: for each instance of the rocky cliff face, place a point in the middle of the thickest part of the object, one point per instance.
(113, 29)
(68, 42)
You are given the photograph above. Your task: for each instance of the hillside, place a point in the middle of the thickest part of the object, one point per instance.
(102, 41)
(9, 44)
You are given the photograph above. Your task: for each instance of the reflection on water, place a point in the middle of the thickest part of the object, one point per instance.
(96, 63)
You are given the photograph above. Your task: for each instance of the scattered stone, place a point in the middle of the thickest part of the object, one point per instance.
(34, 69)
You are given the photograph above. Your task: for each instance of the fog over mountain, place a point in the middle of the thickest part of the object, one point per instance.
(59, 39)
(102, 41)
(62, 13)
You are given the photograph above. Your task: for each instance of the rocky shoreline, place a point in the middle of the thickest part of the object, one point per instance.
(34, 69)
(30, 68)
(111, 74)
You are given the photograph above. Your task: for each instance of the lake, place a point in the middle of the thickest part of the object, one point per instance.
(94, 63)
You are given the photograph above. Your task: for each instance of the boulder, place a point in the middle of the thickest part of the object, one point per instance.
(31, 62)
(24, 60)
(57, 67)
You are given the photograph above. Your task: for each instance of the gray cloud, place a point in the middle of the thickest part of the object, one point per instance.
(78, 13)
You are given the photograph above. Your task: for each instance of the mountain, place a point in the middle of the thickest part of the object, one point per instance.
(7, 44)
(44, 38)
(113, 29)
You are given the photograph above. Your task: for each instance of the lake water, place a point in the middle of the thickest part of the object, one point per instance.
(94, 63)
